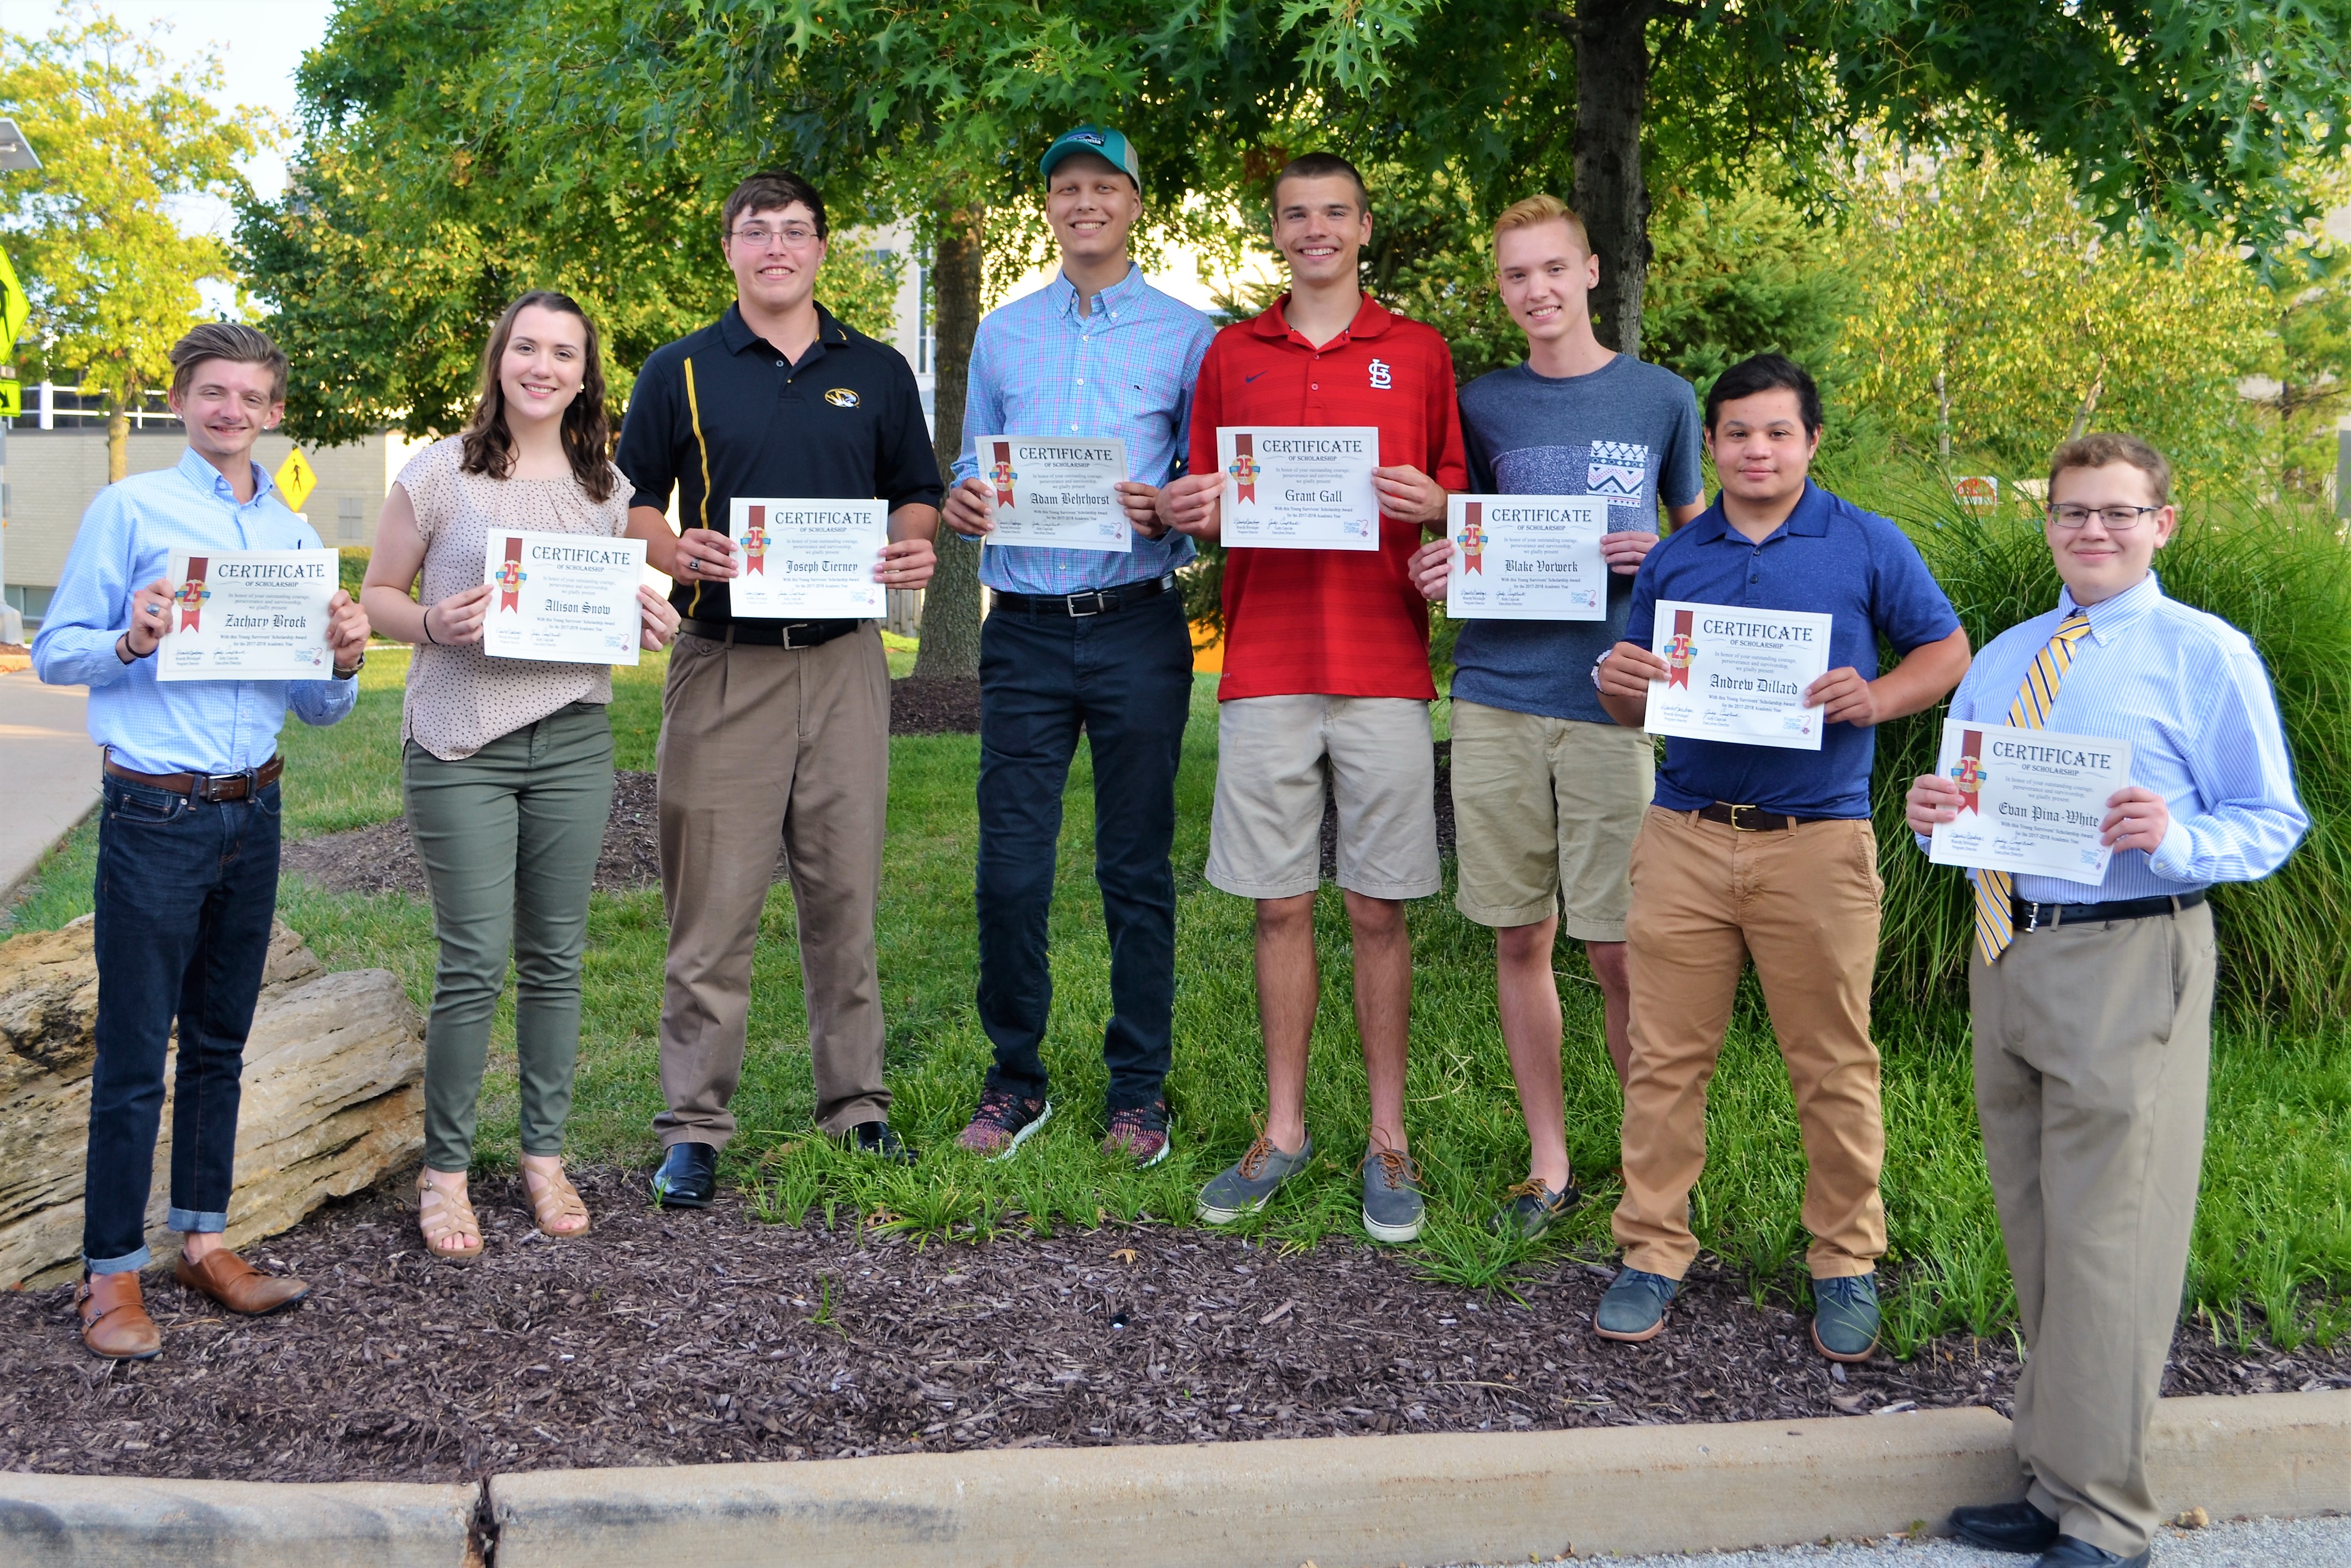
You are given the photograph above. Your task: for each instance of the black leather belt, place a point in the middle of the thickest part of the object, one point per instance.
(205, 787)
(1755, 819)
(1094, 601)
(2032, 917)
(769, 634)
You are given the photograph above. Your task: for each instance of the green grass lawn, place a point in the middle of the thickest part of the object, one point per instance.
(2272, 1251)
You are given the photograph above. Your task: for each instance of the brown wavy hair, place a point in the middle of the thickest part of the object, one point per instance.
(488, 446)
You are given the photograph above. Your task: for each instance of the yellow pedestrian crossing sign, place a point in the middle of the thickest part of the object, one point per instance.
(14, 306)
(296, 479)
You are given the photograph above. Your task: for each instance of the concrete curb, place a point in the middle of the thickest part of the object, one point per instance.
(1336, 1501)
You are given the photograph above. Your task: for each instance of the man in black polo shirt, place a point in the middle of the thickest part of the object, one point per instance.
(772, 728)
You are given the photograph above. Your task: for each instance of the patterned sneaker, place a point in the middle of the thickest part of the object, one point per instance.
(1003, 1122)
(1243, 1186)
(1530, 1208)
(1393, 1209)
(1139, 1132)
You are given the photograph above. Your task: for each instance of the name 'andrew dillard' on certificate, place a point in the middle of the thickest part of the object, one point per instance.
(807, 560)
(1738, 675)
(1527, 558)
(1299, 487)
(2030, 801)
(564, 599)
(1056, 493)
(248, 615)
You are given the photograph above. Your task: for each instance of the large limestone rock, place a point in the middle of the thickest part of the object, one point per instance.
(334, 1097)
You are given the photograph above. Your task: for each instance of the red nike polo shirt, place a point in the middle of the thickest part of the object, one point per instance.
(1345, 623)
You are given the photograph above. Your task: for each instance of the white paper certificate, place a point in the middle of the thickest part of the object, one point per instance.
(1054, 491)
(1738, 675)
(248, 615)
(807, 560)
(1299, 487)
(1527, 558)
(565, 598)
(2031, 800)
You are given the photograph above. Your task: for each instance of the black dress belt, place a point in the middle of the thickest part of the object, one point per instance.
(1093, 601)
(1755, 819)
(769, 633)
(2032, 917)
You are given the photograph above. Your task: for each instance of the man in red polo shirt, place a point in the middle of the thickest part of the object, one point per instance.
(1326, 669)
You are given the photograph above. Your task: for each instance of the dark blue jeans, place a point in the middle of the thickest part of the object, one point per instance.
(186, 889)
(1125, 679)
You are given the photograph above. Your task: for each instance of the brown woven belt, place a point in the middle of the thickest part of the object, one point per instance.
(205, 786)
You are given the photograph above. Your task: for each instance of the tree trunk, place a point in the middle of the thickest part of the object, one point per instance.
(1612, 89)
(118, 441)
(950, 636)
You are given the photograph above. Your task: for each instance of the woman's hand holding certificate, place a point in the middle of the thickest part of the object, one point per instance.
(567, 599)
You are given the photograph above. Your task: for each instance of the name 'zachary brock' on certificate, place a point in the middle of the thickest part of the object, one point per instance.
(269, 572)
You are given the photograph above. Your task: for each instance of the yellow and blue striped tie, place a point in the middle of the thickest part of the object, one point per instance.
(1995, 908)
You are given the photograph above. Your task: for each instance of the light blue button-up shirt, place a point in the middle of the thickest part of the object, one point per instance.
(2189, 693)
(1125, 370)
(126, 542)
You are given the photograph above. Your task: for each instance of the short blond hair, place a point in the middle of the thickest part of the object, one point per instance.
(1533, 209)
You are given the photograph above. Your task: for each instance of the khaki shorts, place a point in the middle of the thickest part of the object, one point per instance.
(1544, 814)
(1266, 838)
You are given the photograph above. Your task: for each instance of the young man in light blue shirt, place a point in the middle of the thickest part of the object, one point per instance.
(2092, 1003)
(1091, 640)
(187, 838)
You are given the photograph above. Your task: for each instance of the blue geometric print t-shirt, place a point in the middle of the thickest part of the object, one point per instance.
(1629, 431)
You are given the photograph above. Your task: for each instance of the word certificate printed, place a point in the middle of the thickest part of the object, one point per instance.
(1055, 494)
(564, 599)
(1299, 487)
(807, 560)
(248, 615)
(2029, 800)
(1738, 675)
(1527, 558)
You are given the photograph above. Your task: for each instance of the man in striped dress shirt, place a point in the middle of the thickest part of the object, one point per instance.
(1081, 639)
(2093, 1005)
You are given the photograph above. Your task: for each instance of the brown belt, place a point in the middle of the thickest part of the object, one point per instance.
(205, 786)
(1754, 818)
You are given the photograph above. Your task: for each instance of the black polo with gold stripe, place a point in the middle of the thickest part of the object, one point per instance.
(721, 413)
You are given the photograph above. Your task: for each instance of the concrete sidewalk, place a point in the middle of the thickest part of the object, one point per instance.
(48, 771)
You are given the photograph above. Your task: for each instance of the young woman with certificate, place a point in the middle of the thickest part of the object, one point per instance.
(507, 762)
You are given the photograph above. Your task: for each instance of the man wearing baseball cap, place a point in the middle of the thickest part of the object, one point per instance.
(1091, 640)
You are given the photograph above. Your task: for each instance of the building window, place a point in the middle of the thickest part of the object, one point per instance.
(350, 517)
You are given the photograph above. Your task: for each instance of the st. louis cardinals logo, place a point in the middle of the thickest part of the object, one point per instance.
(510, 576)
(191, 595)
(1001, 473)
(1244, 468)
(1679, 651)
(1969, 773)
(754, 541)
(1472, 537)
(1382, 375)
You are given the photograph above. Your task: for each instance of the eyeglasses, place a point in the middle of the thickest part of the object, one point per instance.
(796, 236)
(2118, 519)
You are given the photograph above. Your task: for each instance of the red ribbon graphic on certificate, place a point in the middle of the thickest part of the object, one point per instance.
(1678, 653)
(1969, 774)
(754, 541)
(1244, 468)
(1472, 537)
(191, 595)
(510, 577)
(1001, 473)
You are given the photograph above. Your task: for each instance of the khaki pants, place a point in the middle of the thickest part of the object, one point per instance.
(1803, 903)
(2093, 1054)
(760, 744)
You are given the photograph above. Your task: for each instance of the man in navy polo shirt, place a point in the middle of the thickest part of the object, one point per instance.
(1757, 851)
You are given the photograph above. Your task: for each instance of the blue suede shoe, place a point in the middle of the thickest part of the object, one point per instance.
(1844, 1317)
(1634, 1307)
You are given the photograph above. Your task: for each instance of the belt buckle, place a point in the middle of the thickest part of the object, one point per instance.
(208, 789)
(792, 627)
(2031, 915)
(1093, 594)
(1737, 825)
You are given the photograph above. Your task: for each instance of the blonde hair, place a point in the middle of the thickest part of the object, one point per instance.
(1533, 209)
(2109, 447)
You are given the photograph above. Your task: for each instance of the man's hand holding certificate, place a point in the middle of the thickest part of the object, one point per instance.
(566, 599)
(1053, 491)
(2028, 801)
(247, 615)
(1738, 675)
(1299, 487)
(797, 559)
(1526, 557)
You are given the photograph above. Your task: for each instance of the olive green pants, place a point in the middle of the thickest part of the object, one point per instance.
(509, 838)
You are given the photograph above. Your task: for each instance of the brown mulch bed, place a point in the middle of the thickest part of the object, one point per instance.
(689, 1338)
(935, 705)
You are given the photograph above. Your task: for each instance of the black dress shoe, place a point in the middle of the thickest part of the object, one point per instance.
(2071, 1553)
(2005, 1526)
(688, 1177)
(876, 1139)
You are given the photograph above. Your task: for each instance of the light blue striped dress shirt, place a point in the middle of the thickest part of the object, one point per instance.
(2189, 693)
(1126, 369)
(126, 541)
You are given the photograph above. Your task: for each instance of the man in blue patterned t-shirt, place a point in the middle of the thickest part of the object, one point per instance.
(1548, 790)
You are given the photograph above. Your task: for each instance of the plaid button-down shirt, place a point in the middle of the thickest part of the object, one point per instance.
(1126, 369)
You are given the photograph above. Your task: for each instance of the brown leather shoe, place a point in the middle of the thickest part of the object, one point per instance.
(114, 1322)
(237, 1284)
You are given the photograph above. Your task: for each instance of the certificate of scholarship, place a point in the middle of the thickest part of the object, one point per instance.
(1738, 674)
(2030, 801)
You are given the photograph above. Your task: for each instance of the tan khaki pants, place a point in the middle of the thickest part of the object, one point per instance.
(2093, 1054)
(758, 744)
(1803, 904)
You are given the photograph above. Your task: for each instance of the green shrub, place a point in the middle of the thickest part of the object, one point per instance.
(352, 567)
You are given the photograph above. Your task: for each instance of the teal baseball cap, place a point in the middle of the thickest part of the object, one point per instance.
(1101, 141)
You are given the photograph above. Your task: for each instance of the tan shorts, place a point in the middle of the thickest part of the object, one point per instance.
(1544, 814)
(1265, 840)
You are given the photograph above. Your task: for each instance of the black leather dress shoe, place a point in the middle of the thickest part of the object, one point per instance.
(876, 1139)
(688, 1177)
(2071, 1553)
(2005, 1526)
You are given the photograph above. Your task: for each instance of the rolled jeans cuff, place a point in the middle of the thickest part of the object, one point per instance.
(184, 1220)
(129, 1263)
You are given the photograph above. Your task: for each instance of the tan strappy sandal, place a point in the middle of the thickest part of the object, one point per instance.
(448, 1223)
(555, 1199)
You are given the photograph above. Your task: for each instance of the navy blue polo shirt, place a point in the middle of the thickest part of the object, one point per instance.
(1829, 558)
